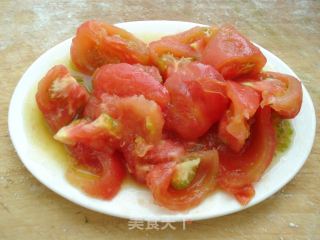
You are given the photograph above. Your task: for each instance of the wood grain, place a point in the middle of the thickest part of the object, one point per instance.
(28, 210)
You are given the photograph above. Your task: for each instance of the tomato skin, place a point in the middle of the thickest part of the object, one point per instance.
(59, 97)
(232, 54)
(107, 183)
(159, 182)
(127, 80)
(98, 43)
(234, 127)
(138, 116)
(171, 51)
(281, 92)
(197, 100)
(240, 170)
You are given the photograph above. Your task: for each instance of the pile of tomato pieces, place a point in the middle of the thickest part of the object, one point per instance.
(184, 115)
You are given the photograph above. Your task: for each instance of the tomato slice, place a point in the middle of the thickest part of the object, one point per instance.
(234, 128)
(60, 97)
(171, 51)
(98, 43)
(139, 165)
(204, 182)
(238, 171)
(138, 116)
(197, 100)
(281, 92)
(104, 132)
(127, 80)
(104, 185)
(232, 54)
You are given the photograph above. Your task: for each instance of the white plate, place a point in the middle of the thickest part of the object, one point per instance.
(133, 202)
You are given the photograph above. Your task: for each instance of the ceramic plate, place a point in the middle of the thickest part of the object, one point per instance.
(135, 202)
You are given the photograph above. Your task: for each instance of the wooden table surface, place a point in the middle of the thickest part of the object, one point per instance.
(28, 210)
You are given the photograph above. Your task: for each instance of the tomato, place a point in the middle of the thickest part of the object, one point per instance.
(204, 182)
(59, 97)
(243, 194)
(281, 92)
(232, 54)
(171, 51)
(127, 80)
(139, 117)
(104, 132)
(84, 156)
(197, 100)
(98, 43)
(104, 185)
(151, 70)
(165, 151)
(94, 107)
(234, 128)
(193, 35)
(238, 171)
(139, 165)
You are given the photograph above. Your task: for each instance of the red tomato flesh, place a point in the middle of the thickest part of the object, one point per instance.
(232, 54)
(281, 92)
(171, 51)
(98, 43)
(138, 116)
(127, 80)
(159, 182)
(197, 100)
(104, 132)
(104, 185)
(60, 98)
(140, 165)
(240, 170)
(234, 128)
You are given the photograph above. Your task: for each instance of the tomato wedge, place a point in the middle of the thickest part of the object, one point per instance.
(104, 132)
(197, 100)
(98, 43)
(138, 116)
(238, 171)
(60, 97)
(127, 80)
(281, 92)
(170, 52)
(234, 128)
(232, 54)
(139, 165)
(104, 185)
(204, 182)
